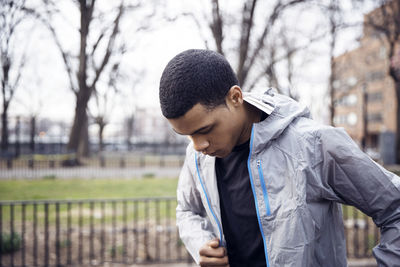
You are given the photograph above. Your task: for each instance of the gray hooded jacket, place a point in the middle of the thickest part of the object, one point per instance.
(299, 172)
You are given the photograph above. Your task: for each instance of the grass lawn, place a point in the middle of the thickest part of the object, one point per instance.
(86, 188)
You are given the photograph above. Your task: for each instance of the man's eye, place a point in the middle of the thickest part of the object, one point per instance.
(206, 131)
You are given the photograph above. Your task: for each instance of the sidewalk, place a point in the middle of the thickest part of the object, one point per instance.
(351, 263)
(90, 173)
(362, 262)
(152, 265)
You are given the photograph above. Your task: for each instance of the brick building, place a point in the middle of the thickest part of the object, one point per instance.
(364, 94)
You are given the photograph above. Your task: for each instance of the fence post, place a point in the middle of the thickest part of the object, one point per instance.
(69, 242)
(142, 161)
(46, 235)
(356, 226)
(1, 230)
(162, 161)
(58, 255)
(35, 239)
(125, 231)
(102, 161)
(9, 164)
(146, 233)
(23, 233)
(346, 218)
(12, 232)
(122, 162)
(31, 163)
(366, 237)
(91, 245)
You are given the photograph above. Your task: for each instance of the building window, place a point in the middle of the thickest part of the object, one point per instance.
(351, 81)
(348, 101)
(374, 97)
(351, 119)
(375, 117)
(336, 84)
(374, 76)
(345, 119)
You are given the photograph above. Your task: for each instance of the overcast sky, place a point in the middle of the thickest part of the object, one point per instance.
(45, 90)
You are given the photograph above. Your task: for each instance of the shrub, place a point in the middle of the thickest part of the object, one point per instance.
(10, 242)
(149, 175)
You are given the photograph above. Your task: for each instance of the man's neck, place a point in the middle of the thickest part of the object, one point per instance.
(253, 115)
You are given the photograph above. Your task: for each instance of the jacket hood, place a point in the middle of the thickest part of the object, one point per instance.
(282, 112)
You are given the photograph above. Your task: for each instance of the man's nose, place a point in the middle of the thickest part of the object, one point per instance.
(200, 144)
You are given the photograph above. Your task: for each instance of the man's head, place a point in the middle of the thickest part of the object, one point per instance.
(200, 97)
(195, 76)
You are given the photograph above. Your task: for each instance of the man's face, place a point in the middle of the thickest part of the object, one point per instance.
(213, 132)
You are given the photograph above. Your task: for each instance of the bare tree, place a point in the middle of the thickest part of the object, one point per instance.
(131, 99)
(386, 22)
(98, 49)
(335, 22)
(101, 118)
(12, 64)
(105, 102)
(251, 42)
(290, 48)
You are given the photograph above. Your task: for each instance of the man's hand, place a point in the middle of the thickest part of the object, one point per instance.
(211, 254)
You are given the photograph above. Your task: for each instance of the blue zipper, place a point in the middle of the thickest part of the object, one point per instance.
(264, 188)
(208, 201)
(255, 198)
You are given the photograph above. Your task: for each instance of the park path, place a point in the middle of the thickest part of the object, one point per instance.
(90, 172)
(351, 263)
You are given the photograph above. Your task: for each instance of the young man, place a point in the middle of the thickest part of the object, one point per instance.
(262, 182)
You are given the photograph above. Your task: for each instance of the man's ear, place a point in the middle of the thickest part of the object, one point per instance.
(234, 96)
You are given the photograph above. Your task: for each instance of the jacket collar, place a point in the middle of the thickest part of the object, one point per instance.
(282, 112)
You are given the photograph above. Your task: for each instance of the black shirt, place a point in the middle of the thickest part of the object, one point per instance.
(238, 213)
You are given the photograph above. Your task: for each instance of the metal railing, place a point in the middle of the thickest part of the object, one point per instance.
(126, 231)
(361, 233)
(89, 232)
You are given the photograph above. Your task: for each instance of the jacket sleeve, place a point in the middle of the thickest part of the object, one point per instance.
(349, 176)
(195, 228)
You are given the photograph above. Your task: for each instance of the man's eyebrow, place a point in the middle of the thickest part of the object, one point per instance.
(198, 130)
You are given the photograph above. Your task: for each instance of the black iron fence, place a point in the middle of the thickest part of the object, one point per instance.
(361, 233)
(89, 232)
(126, 231)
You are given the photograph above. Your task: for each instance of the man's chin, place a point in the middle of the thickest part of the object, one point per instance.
(221, 154)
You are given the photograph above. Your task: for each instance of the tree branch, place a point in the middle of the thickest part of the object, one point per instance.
(247, 25)
(278, 9)
(64, 54)
(216, 26)
(110, 47)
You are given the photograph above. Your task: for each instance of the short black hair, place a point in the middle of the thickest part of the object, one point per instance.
(195, 76)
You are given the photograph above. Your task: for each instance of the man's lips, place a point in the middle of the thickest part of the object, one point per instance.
(212, 154)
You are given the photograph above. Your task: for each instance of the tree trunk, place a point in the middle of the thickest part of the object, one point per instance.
(101, 130)
(216, 26)
(333, 9)
(129, 132)
(4, 130)
(83, 147)
(17, 143)
(79, 136)
(32, 135)
(332, 91)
